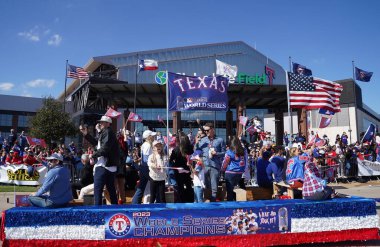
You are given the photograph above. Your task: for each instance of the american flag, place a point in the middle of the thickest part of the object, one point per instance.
(76, 72)
(314, 93)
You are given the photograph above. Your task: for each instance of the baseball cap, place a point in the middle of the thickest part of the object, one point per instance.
(148, 133)
(105, 119)
(196, 155)
(55, 156)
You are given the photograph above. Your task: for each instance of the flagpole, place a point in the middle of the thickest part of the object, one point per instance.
(288, 96)
(353, 70)
(356, 112)
(64, 100)
(134, 101)
(167, 112)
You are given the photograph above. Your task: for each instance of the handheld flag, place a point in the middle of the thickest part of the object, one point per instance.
(301, 70)
(362, 75)
(369, 134)
(133, 117)
(112, 113)
(148, 64)
(76, 72)
(325, 121)
(314, 93)
(243, 120)
(36, 142)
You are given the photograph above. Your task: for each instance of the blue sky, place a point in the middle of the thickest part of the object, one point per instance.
(38, 36)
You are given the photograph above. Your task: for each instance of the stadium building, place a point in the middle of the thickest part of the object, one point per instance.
(259, 90)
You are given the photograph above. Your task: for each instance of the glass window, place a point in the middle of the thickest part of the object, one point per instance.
(6, 119)
(23, 121)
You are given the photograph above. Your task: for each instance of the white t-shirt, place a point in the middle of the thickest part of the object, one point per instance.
(146, 150)
(199, 179)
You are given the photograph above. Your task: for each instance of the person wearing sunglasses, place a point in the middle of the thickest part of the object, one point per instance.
(57, 183)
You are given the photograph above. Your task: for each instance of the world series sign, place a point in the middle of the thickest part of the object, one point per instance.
(239, 221)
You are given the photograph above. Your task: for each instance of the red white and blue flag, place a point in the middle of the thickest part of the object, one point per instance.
(313, 93)
(148, 64)
(243, 120)
(32, 141)
(133, 117)
(112, 113)
(76, 72)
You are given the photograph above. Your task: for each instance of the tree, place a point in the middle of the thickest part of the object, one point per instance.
(51, 123)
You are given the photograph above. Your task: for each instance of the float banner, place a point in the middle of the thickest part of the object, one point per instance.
(182, 223)
(197, 92)
(368, 168)
(18, 174)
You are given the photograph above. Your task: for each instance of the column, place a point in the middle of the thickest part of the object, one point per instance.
(229, 121)
(302, 122)
(176, 121)
(279, 126)
(239, 112)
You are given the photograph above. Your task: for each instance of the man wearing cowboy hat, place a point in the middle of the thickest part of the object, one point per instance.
(107, 155)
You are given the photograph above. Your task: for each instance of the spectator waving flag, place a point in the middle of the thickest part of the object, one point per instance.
(301, 70)
(369, 134)
(133, 117)
(112, 113)
(313, 93)
(76, 72)
(148, 64)
(362, 75)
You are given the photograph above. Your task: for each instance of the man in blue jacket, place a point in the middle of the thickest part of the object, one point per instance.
(57, 183)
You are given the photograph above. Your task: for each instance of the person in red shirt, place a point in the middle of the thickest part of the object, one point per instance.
(332, 158)
(29, 158)
(16, 158)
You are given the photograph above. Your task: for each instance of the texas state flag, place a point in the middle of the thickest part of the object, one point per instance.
(148, 64)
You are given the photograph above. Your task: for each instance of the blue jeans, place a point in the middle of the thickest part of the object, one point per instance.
(232, 180)
(30, 170)
(42, 202)
(104, 177)
(212, 180)
(198, 194)
(144, 178)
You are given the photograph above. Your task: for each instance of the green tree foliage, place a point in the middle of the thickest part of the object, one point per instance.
(51, 123)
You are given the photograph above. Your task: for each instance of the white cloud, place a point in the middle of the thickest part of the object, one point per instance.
(55, 40)
(32, 34)
(6, 86)
(41, 83)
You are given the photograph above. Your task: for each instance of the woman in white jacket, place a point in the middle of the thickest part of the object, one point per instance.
(157, 173)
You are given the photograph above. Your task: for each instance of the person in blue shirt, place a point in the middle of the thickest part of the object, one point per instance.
(234, 165)
(57, 183)
(262, 164)
(295, 169)
(213, 149)
(276, 168)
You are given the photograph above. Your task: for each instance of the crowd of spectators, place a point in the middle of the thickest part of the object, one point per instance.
(194, 166)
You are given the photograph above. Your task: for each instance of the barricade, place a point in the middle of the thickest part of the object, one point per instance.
(279, 222)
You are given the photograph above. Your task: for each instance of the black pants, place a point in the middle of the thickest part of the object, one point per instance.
(184, 187)
(157, 191)
(74, 188)
(104, 177)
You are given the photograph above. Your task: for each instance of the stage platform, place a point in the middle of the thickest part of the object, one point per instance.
(252, 223)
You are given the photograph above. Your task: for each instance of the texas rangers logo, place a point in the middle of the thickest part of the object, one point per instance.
(119, 225)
